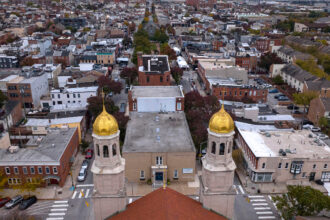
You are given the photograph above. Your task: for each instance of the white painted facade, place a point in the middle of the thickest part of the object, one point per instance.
(156, 104)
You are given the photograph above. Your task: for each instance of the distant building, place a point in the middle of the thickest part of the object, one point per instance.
(318, 108)
(8, 61)
(153, 70)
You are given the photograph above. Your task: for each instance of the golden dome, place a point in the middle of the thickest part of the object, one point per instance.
(105, 124)
(221, 122)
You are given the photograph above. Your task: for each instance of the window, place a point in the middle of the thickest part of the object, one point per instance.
(296, 167)
(161, 79)
(213, 148)
(98, 150)
(29, 180)
(286, 165)
(7, 170)
(78, 95)
(40, 170)
(168, 78)
(304, 174)
(10, 181)
(175, 174)
(54, 170)
(32, 170)
(222, 149)
(240, 93)
(114, 150)
(279, 165)
(263, 165)
(178, 106)
(18, 181)
(159, 160)
(59, 96)
(25, 170)
(314, 166)
(53, 96)
(74, 95)
(134, 106)
(16, 170)
(59, 102)
(148, 79)
(68, 95)
(261, 177)
(47, 170)
(142, 177)
(325, 166)
(105, 151)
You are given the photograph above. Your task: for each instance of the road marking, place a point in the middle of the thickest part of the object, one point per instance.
(58, 210)
(255, 204)
(258, 200)
(74, 194)
(266, 217)
(256, 196)
(130, 200)
(241, 189)
(81, 193)
(235, 189)
(85, 185)
(264, 213)
(58, 206)
(60, 218)
(62, 201)
(261, 208)
(58, 213)
(87, 192)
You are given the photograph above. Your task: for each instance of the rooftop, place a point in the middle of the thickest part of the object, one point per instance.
(155, 63)
(296, 143)
(154, 132)
(156, 91)
(49, 149)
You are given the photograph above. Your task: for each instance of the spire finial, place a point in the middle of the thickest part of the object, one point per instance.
(223, 98)
(102, 94)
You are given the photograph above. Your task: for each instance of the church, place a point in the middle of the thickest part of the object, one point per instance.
(109, 171)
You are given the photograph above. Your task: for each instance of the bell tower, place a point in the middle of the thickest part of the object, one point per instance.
(108, 168)
(216, 190)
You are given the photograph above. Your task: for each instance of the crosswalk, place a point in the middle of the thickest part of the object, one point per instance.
(81, 193)
(58, 210)
(261, 207)
(239, 189)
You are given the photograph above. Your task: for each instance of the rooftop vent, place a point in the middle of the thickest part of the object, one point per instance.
(13, 149)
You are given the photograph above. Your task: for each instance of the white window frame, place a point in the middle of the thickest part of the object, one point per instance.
(178, 106)
(39, 170)
(142, 175)
(25, 170)
(159, 160)
(6, 169)
(47, 168)
(55, 171)
(16, 169)
(34, 170)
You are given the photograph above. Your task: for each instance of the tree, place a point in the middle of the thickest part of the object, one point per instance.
(127, 41)
(301, 201)
(268, 59)
(3, 99)
(304, 98)
(160, 36)
(122, 120)
(312, 67)
(95, 104)
(177, 73)
(130, 74)
(323, 122)
(167, 50)
(109, 85)
(84, 145)
(278, 80)
(238, 157)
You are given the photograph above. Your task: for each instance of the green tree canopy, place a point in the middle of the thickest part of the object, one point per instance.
(301, 201)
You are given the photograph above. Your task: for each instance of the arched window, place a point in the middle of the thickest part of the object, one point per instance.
(213, 148)
(98, 150)
(105, 151)
(114, 150)
(222, 149)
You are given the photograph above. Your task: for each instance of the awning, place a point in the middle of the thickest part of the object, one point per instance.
(51, 177)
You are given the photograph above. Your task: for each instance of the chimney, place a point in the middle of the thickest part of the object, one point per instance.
(139, 58)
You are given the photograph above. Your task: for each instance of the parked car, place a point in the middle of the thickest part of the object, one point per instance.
(26, 203)
(283, 98)
(297, 112)
(14, 202)
(291, 107)
(3, 201)
(306, 122)
(89, 154)
(82, 175)
(323, 137)
(85, 164)
(316, 129)
(278, 95)
(273, 91)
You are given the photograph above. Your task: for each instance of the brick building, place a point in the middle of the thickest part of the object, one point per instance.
(247, 62)
(11, 114)
(156, 99)
(153, 70)
(319, 107)
(44, 160)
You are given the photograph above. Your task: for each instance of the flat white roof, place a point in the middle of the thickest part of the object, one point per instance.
(35, 122)
(276, 118)
(8, 78)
